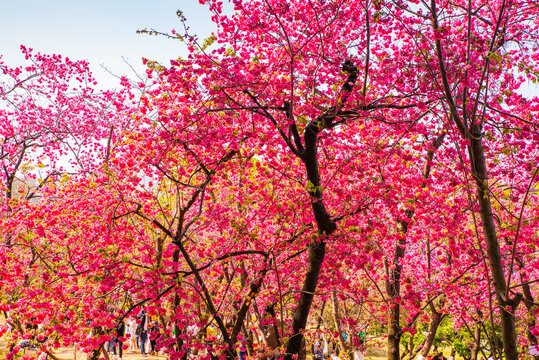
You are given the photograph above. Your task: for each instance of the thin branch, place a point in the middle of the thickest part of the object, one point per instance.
(219, 258)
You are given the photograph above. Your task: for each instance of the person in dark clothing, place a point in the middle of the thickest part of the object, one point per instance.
(439, 356)
(243, 350)
(142, 330)
(120, 333)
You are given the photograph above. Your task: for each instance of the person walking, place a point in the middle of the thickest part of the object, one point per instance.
(132, 333)
(142, 329)
(317, 351)
(120, 333)
(243, 350)
(439, 356)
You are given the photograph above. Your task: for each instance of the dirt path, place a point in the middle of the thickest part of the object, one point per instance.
(68, 353)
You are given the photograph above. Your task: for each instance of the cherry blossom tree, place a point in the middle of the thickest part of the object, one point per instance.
(308, 155)
(54, 126)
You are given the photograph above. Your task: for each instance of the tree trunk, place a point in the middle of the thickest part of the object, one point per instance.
(94, 355)
(505, 304)
(270, 310)
(436, 320)
(409, 350)
(176, 303)
(242, 312)
(326, 226)
(477, 341)
(319, 318)
(308, 153)
(394, 331)
(260, 326)
(529, 302)
(317, 250)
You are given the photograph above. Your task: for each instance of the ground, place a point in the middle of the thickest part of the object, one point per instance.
(68, 353)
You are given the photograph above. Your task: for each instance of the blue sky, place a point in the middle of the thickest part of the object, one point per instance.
(104, 31)
(99, 31)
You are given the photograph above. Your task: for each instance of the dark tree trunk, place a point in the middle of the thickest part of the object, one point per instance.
(96, 352)
(317, 251)
(394, 334)
(529, 302)
(176, 302)
(479, 171)
(270, 310)
(308, 153)
(394, 331)
(242, 312)
(326, 226)
(434, 324)
(505, 304)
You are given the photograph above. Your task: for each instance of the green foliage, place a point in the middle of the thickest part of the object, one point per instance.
(463, 346)
(419, 337)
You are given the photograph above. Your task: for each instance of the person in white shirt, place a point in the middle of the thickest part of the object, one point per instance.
(334, 356)
(358, 355)
(132, 332)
